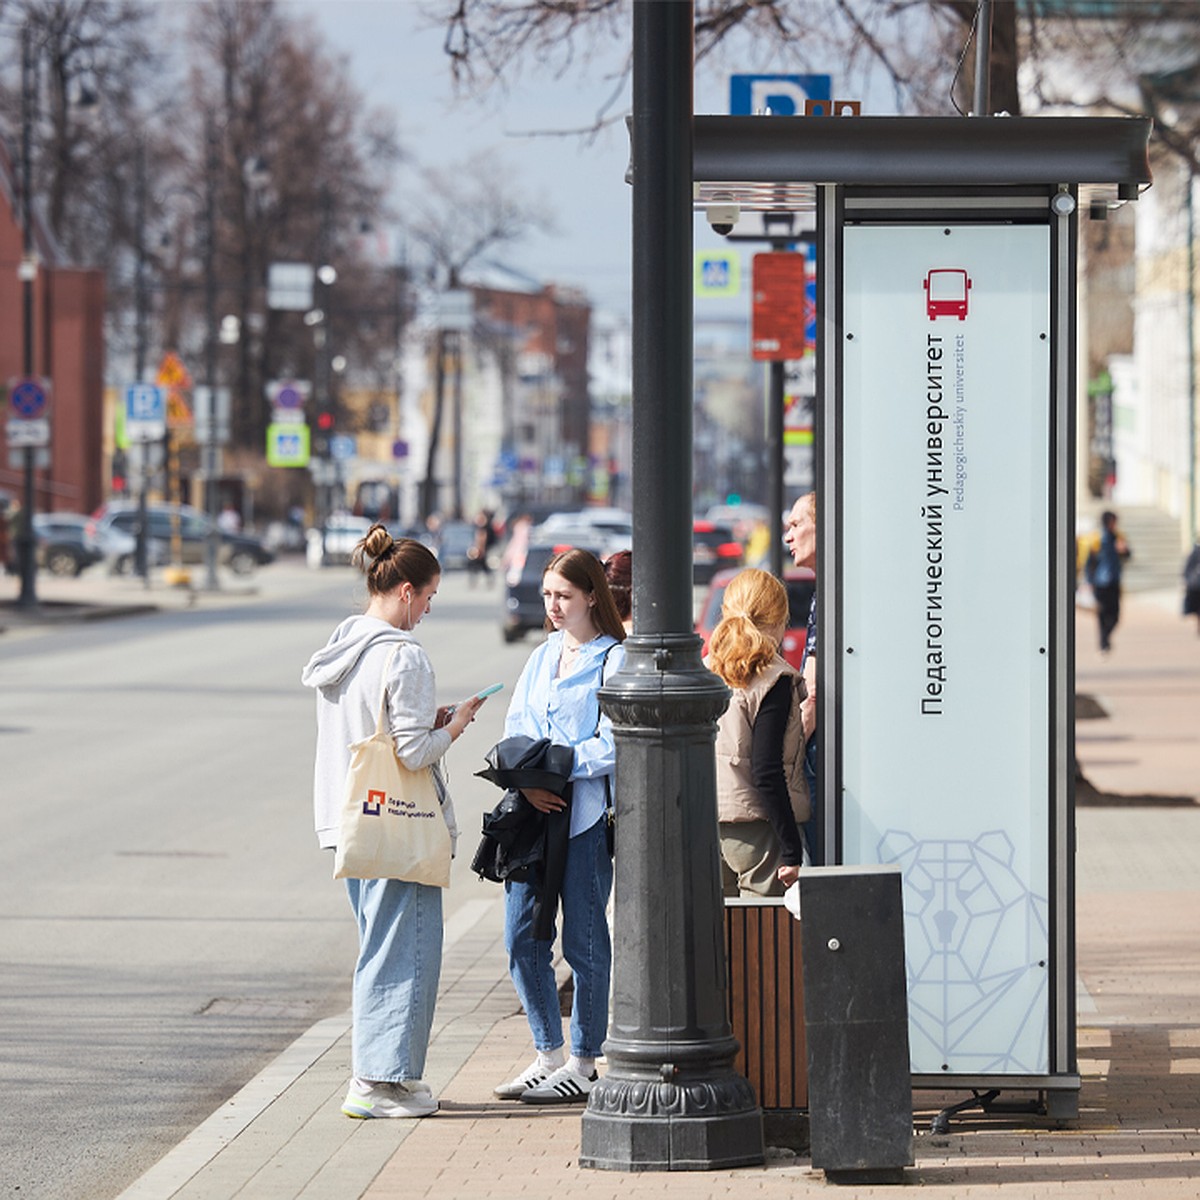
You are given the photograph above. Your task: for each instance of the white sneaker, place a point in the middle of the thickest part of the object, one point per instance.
(564, 1086)
(409, 1099)
(533, 1074)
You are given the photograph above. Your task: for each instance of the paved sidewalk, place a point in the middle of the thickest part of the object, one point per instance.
(1138, 938)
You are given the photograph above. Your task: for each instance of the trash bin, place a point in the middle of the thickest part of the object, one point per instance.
(766, 1010)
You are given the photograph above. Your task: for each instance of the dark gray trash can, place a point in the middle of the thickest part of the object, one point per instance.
(856, 1021)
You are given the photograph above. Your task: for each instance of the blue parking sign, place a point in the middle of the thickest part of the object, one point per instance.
(145, 402)
(781, 95)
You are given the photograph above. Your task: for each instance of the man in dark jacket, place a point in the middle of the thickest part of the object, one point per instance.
(1103, 572)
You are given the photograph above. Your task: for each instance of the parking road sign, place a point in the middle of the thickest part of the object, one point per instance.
(27, 433)
(27, 398)
(145, 412)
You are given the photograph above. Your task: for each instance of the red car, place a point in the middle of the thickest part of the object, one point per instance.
(714, 548)
(801, 583)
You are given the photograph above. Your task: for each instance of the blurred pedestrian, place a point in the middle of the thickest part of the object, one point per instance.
(477, 555)
(555, 698)
(399, 923)
(762, 797)
(229, 520)
(1103, 571)
(5, 547)
(1191, 585)
(512, 562)
(618, 570)
(800, 537)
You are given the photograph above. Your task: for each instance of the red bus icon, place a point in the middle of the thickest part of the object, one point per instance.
(946, 291)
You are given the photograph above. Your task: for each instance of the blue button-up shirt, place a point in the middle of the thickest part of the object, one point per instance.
(567, 711)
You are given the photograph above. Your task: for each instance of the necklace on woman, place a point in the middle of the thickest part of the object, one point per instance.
(569, 652)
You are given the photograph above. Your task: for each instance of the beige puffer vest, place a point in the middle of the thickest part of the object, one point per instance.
(737, 797)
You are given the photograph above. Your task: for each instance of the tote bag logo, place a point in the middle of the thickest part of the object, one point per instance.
(374, 801)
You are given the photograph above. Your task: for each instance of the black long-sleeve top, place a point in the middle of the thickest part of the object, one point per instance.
(766, 768)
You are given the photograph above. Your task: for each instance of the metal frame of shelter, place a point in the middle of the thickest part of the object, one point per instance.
(970, 173)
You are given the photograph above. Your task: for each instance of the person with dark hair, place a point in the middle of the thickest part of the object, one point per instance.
(555, 698)
(1103, 571)
(371, 660)
(618, 570)
(1191, 585)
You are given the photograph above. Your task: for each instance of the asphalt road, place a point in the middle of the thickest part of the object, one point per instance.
(167, 923)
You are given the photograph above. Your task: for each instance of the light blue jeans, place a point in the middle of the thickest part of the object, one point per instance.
(585, 943)
(396, 976)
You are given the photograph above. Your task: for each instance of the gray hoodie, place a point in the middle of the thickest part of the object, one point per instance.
(347, 674)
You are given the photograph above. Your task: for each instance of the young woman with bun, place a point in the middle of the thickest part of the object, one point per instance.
(399, 923)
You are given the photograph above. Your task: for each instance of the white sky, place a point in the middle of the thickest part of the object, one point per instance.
(396, 59)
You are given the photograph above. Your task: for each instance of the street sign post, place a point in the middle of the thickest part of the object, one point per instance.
(145, 412)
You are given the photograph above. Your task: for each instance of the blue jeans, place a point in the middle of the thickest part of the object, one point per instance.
(396, 976)
(585, 944)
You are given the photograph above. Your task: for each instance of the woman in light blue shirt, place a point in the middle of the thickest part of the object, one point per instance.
(556, 698)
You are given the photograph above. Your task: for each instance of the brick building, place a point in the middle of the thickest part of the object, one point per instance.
(68, 349)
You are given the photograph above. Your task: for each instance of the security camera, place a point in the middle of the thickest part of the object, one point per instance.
(722, 216)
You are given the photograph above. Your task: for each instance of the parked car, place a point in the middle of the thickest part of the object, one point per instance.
(240, 552)
(523, 606)
(610, 529)
(714, 548)
(333, 545)
(800, 582)
(62, 545)
(454, 541)
(741, 518)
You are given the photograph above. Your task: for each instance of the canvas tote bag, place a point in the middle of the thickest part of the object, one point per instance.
(392, 825)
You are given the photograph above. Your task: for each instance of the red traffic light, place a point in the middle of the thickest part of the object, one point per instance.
(325, 421)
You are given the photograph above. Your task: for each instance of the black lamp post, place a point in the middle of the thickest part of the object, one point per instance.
(671, 1099)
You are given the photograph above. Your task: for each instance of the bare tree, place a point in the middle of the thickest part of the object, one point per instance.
(918, 45)
(297, 164)
(460, 213)
(94, 60)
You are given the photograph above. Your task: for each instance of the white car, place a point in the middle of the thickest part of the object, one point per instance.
(334, 545)
(610, 528)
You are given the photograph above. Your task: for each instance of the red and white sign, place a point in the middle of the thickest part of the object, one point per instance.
(779, 312)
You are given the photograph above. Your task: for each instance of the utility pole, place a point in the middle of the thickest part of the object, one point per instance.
(26, 548)
(212, 541)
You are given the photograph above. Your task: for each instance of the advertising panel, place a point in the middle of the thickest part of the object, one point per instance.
(945, 597)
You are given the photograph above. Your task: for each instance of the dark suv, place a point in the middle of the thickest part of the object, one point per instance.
(239, 552)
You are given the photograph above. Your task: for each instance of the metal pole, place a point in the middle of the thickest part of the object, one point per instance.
(1191, 355)
(982, 103)
(775, 393)
(26, 548)
(670, 1099)
(212, 542)
(139, 364)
